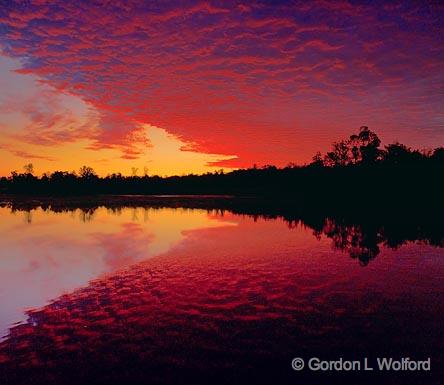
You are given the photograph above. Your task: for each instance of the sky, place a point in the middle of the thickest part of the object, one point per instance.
(188, 86)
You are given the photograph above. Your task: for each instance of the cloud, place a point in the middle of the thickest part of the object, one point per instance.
(27, 155)
(271, 84)
(33, 112)
(24, 154)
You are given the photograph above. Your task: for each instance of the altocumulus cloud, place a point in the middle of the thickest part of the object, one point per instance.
(269, 83)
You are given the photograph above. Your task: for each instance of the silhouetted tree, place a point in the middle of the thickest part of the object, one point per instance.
(438, 154)
(317, 160)
(29, 168)
(397, 153)
(339, 156)
(87, 172)
(364, 146)
(359, 148)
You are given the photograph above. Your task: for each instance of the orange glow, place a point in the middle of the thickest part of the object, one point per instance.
(55, 131)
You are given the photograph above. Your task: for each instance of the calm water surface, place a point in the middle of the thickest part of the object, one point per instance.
(143, 295)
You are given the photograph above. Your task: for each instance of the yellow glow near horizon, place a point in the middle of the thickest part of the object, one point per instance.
(30, 109)
(164, 157)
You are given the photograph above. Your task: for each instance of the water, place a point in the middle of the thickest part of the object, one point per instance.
(167, 295)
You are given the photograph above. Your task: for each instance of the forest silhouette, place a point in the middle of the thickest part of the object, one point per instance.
(357, 173)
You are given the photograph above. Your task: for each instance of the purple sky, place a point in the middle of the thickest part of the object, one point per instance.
(261, 82)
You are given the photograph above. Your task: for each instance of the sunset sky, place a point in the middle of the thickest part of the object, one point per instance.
(181, 86)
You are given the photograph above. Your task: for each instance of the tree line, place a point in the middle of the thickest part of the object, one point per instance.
(355, 170)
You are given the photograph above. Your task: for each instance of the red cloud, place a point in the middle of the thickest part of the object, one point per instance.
(270, 84)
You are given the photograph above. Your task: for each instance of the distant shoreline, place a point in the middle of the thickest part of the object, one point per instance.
(249, 204)
(356, 176)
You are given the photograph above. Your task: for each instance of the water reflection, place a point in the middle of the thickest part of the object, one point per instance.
(361, 237)
(180, 296)
(46, 253)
